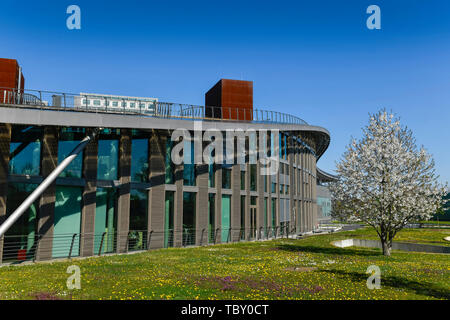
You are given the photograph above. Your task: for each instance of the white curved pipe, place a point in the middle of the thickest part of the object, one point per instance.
(44, 185)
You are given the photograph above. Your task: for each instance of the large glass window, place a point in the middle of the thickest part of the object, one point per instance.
(25, 150)
(226, 176)
(281, 145)
(274, 212)
(68, 139)
(168, 221)
(226, 216)
(67, 221)
(139, 160)
(138, 209)
(138, 219)
(170, 166)
(105, 220)
(253, 177)
(189, 218)
(285, 149)
(108, 158)
(20, 239)
(242, 180)
(189, 166)
(212, 175)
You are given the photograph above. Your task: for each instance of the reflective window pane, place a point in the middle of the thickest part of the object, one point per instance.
(139, 160)
(20, 239)
(67, 221)
(108, 158)
(25, 150)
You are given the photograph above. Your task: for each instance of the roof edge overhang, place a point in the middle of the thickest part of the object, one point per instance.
(325, 176)
(46, 117)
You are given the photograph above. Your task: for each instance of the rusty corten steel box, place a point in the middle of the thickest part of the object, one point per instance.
(230, 99)
(9, 74)
(9, 77)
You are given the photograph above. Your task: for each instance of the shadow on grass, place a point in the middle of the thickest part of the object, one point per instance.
(422, 288)
(330, 250)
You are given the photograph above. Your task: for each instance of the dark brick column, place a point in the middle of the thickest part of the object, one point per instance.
(123, 201)
(49, 161)
(156, 204)
(218, 210)
(178, 207)
(90, 158)
(260, 202)
(247, 230)
(291, 169)
(201, 211)
(235, 201)
(5, 139)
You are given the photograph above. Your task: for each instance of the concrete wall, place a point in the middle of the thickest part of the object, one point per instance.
(395, 245)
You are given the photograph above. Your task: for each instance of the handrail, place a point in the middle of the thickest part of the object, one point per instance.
(41, 99)
(19, 248)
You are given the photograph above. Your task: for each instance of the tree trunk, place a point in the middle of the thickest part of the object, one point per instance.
(387, 246)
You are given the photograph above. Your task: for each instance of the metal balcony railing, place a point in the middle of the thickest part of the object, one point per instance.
(21, 248)
(40, 99)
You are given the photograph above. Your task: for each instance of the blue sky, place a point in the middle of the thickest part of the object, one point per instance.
(313, 59)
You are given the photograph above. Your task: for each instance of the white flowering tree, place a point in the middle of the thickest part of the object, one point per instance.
(385, 180)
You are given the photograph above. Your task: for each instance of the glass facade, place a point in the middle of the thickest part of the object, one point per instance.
(105, 220)
(189, 166)
(253, 177)
(170, 166)
(138, 219)
(226, 176)
(25, 150)
(108, 159)
(274, 212)
(67, 221)
(68, 140)
(20, 239)
(212, 175)
(226, 215)
(189, 217)
(139, 160)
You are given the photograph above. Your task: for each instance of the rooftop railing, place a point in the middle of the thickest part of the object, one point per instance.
(40, 99)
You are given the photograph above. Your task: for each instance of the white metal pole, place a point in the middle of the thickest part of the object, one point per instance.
(44, 185)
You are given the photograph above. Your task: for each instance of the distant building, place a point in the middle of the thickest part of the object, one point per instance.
(446, 215)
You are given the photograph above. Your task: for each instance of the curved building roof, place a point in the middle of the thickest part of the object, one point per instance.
(325, 176)
(31, 115)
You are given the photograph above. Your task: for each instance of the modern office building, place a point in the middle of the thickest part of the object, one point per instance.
(125, 190)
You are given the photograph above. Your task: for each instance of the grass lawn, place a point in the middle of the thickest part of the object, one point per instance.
(309, 268)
